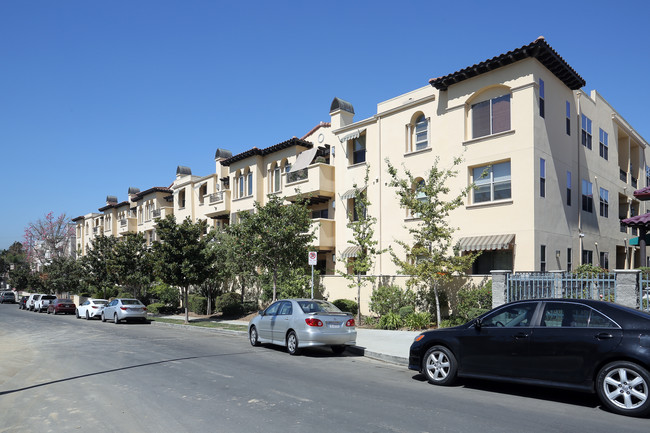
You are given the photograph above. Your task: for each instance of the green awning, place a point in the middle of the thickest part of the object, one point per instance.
(634, 242)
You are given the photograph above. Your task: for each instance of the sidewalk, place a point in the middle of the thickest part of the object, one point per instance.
(388, 346)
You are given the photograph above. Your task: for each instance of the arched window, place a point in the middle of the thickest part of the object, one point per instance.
(421, 133)
(489, 112)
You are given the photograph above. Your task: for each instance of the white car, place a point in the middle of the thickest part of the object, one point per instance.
(124, 309)
(29, 304)
(43, 302)
(91, 308)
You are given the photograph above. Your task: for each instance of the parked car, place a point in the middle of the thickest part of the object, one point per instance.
(43, 302)
(23, 302)
(91, 308)
(124, 309)
(584, 345)
(298, 323)
(31, 300)
(65, 306)
(8, 297)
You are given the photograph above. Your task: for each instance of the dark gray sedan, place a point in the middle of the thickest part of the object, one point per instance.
(299, 323)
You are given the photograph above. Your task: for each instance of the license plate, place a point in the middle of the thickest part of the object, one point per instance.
(333, 324)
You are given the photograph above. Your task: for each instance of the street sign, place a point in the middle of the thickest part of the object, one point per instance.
(312, 258)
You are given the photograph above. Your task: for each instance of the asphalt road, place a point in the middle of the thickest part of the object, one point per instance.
(60, 374)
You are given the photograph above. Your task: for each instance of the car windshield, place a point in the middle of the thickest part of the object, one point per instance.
(100, 302)
(131, 302)
(48, 297)
(318, 307)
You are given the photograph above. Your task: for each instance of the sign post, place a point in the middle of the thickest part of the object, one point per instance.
(313, 256)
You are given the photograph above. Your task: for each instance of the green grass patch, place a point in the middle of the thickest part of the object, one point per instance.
(203, 324)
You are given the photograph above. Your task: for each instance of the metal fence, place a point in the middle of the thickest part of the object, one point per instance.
(531, 285)
(644, 292)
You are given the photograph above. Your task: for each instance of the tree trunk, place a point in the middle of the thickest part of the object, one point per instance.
(275, 279)
(359, 299)
(185, 301)
(435, 293)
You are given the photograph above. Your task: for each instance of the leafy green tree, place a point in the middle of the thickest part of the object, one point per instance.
(62, 275)
(220, 272)
(430, 259)
(181, 258)
(133, 263)
(21, 277)
(278, 236)
(362, 225)
(97, 265)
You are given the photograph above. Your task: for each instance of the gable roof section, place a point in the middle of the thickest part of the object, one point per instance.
(539, 49)
(140, 195)
(262, 152)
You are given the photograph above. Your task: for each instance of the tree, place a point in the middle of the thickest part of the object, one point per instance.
(363, 239)
(278, 236)
(430, 258)
(48, 238)
(219, 273)
(133, 263)
(97, 264)
(61, 274)
(181, 258)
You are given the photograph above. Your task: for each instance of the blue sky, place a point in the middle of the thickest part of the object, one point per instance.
(98, 96)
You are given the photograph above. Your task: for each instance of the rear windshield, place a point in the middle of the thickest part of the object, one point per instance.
(48, 297)
(318, 307)
(131, 302)
(101, 302)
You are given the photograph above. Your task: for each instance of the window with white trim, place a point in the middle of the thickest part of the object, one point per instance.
(249, 181)
(587, 196)
(586, 131)
(604, 143)
(492, 182)
(491, 116)
(542, 177)
(421, 133)
(604, 203)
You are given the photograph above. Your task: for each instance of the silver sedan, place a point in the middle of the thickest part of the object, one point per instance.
(299, 323)
(124, 309)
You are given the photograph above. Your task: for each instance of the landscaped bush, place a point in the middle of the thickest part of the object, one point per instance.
(347, 305)
(197, 304)
(417, 321)
(389, 299)
(406, 311)
(390, 321)
(230, 304)
(166, 294)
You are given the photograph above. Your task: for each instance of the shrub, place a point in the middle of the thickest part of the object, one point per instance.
(386, 299)
(160, 308)
(166, 294)
(390, 321)
(472, 302)
(230, 304)
(370, 321)
(347, 305)
(197, 304)
(417, 321)
(406, 311)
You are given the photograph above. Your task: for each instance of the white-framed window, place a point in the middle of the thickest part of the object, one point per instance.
(587, 257)
(603, 139)
(586, 131)
(181, 199)
(249, 182)
(358, 150)
(491, 116)
(604, 203)
(240, 182)
(541, 98)
(277, 179)
(420, 194)
(492, 182)
(587, 196)
(542, 177)
(604, 260)
(421, 133)
(203, 191)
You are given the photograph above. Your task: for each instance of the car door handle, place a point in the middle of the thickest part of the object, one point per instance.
(521, 335)
(604, 336)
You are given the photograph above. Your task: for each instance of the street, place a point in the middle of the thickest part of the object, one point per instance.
(60, 374)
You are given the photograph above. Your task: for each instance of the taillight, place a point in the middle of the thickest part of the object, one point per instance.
(313, 322)
(349, 322)
(123, 308)
(144, 308)
(95, 306)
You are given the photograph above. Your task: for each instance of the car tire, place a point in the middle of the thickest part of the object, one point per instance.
(115, 319)
(87, 315)
(252, 336)
(103, 318)
(339, 349)
(76, 313)
(624, 388)
(440, 366)
(292, 343)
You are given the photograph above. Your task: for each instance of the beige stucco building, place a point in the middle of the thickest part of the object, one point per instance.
(555, 169)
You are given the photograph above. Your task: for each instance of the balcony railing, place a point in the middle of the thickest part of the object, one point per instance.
(123, 222)
(216, 197)
(156, 213)
(297, 176)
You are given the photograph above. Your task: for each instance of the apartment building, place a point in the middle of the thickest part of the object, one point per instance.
(562, 164)
(555, 169)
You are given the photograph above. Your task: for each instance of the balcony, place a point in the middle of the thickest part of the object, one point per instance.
(325, 234)
(156, 213)
(219, 203)
(317, 180)
(127, 225)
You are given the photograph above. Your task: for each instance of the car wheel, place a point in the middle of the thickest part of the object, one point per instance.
(115, 319)
(103, 318)
(440, 366)
(87, 315)
(76, 313)
(623, 387)
(252, 335)
(292, 343)
(338, 349)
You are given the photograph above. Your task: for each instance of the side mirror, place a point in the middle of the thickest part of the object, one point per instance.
(478, 323)
(261, 312)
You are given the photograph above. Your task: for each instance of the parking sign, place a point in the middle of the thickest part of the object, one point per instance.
(312, 258)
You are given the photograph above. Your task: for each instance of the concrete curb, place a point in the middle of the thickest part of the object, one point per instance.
(356, 350)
